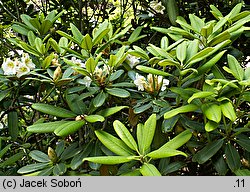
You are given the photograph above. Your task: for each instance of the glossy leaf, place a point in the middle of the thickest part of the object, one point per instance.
(32, 167)
(244, 142)
(211, 125)
(208, 151)
(116, 75)
(110, 111)
(181, 50)
(232, 157)
(237, 70)
(110, 160)
(4, 150)
(182, 109)
(76, 33)
(94, 118)
(165, 152)
(39, 156)
(12, 159)
(68, 128)
(148, 169)
(87, 42)
(118, 92)
(113, 144)
(52, 110)
(242, 172)
(125, 135)
(45, 127)
(152, 70)
(91, 65)
(212, 111)
(192, 48)
(99, 99)
(59, 169)
(202, 94)
(228, 110)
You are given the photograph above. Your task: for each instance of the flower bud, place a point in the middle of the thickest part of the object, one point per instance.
(52, 155)
(57, 73)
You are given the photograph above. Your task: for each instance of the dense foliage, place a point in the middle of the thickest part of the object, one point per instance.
(124, 88)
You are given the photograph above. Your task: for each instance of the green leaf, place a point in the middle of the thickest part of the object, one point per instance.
(181, 50)
(39, 156)
(110, 111)
(32, 167)
(237, 70)
(242, 172)
(182, 109)
(99, 99)
(76, 104)
(91, 65)
(139, 52)
(59, 169)
(228, 110)
(219, 38)
(23, 30)
(139, 136)
(4, 150)
(13, 124)
(192, 48)
(165, 152)
(94, 118)
(76, 33)
(116, 75)
(26, 19)
(142, 108)
(244, 142)
(44, 172)
(212, 111)
(135, 34)
(113, 144)
(199, 56)
(31, 38)
(148, 169)
(99, 36)
(208, 151)
(87, 42)
(221, 166)
(110, 160)
(45, 127)
(202, 94)
(68, 128)
(172, 167)
(118, 92)
(148, 133)
(3, 94)
(125, 135)
(232, 157)
(169, 62)
(177, 141)
(152, 70)
(12, 159)
(196, 22)
(52, 110)
(46, 25)
(211, 125)
(164, 42)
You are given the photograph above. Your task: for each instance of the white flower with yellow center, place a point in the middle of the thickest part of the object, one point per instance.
(9, 67)
(27, 61)
(139, 81)
(22, 69)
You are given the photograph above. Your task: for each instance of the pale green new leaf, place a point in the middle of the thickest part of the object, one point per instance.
(182, 109)
(181, 50)
(148, 169)
(110, 160)
(236, 69)
(202, 94)
(165, 152)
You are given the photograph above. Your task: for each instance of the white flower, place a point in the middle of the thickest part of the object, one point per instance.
(9, 67)
(22, 69)
(139, 82)
(133, 60)
(157, 6)
(87, 81)
(27, 61)
(165, 83)
(78, 62)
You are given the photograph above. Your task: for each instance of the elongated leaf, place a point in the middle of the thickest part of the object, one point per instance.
(172, 167)
(26, 19)
(44, 172)
(52, 110)
(164, 42)
(94, 118)
(76, 33)
(212, 111)
(46, 25)
(13, 159)
(110, 111)
(196, 22)
(110, 160)
(118, 92)
(3, 94)
(116, 75)
(113, 144)
(139, 136)
(244, 142)
(99, 99)
(13, 124)
(242, 172)
(148, 133)
(87, 42)
(237, 70)
(221, 166)
(232, 157)
(125, 135)
(163, 153)
(182, 109)
(192, 48)
(142, 108)
(32, 167)
(139, 52)
(152, 70)
(208, 151)
(228, 110)
(181, 51)
(39, 156)
(68, 128)
(91, 65)
(4, 150)
(99, 36)
(202, 94)
(200, 56)
(148, 169)
(168, 62)
(45, 127)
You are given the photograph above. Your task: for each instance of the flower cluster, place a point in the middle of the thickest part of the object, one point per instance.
(157, 7)
(152, 84)
(18, 66)
(77, 62)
